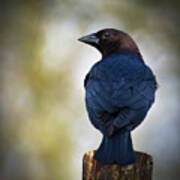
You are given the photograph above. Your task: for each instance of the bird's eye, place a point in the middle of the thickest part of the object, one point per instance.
(106, 35)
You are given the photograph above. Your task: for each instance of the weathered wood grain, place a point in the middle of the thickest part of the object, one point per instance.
(140, 170)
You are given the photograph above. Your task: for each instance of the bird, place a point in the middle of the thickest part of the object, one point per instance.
(119, 91)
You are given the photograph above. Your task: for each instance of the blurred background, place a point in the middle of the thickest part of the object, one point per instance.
(44, 128)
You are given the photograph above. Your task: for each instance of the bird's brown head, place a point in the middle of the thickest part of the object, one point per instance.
(109, 41)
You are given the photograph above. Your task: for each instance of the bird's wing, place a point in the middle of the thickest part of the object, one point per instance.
(117, 87)
(113, 80)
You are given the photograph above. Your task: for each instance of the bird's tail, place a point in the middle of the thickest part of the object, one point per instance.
(117, 149)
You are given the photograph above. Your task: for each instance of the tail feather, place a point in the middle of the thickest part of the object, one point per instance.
(117, 149)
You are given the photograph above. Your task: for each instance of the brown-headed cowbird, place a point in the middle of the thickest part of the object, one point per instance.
(120, 89)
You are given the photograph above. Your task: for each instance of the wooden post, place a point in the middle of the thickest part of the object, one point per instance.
(140, 170)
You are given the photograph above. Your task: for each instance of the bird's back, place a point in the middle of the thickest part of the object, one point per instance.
(119, 73)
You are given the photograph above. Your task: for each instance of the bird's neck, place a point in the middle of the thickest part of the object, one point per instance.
(110, 51)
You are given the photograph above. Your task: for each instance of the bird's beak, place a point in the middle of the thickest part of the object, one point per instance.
(90, 39)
